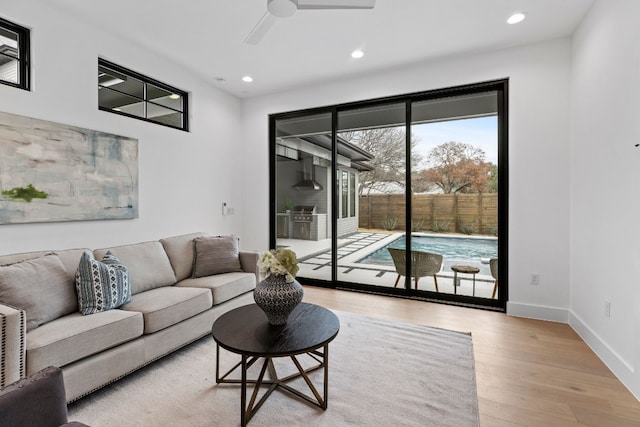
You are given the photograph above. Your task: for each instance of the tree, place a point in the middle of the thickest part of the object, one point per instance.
(387, 145)
(492, 185)
(457, 167)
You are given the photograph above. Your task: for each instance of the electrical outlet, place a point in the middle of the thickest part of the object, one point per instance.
(535, 279)
(607, 308)
(227, 209)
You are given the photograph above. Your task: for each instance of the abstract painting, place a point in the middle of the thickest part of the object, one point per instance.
(54, 172)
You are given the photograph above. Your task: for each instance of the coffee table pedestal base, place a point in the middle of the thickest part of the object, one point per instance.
(249, 409)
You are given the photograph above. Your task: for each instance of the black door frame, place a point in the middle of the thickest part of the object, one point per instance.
(502, 89)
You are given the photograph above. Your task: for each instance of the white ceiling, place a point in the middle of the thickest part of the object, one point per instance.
(312, 46)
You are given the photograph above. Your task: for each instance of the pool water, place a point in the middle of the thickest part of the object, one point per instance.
(455, 250)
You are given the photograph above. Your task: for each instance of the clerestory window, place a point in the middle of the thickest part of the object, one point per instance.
(128, 93)
(14, 55)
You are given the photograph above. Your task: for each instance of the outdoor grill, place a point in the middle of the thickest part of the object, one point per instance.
(301, 218)
(303, 213)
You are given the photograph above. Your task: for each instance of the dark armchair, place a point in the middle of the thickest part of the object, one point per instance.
(36, 401)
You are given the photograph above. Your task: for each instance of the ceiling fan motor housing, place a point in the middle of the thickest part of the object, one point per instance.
(282, 8)
(286, 8)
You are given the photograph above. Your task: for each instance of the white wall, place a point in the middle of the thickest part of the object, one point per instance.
(605, 184)
(184, 177)
(589, 186)
(538, 159)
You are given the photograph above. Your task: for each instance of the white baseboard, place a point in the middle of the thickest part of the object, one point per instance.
(620, 367)
(552, 314)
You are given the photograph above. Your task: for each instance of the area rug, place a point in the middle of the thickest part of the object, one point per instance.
(381, 373)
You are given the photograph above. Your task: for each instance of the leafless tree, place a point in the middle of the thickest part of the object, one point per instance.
(388, 146)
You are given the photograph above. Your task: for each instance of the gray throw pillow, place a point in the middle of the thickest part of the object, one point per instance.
(40, 287)
(101, 285)
(216, 255)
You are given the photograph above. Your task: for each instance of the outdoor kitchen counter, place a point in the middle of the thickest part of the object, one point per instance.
(283, 225)
(308, 226)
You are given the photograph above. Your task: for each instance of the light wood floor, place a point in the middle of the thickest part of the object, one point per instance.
(529, 372)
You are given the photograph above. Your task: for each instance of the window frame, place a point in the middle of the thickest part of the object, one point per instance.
(337, 280)
(145, 99)
(353, 191)
(347, 184)
(24, 55)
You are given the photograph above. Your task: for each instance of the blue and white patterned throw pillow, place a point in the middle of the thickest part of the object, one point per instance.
(101, 285)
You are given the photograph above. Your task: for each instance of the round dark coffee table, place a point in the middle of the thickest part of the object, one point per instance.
(246, 331)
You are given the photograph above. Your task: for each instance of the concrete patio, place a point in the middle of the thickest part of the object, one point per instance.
(315, 262)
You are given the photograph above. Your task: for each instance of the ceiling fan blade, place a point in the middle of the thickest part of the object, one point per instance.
(336, 4)
(261, 28)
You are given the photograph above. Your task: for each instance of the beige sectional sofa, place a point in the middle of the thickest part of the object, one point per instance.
(168, 309)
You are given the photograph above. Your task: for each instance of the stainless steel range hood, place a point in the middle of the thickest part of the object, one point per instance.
(308, 181)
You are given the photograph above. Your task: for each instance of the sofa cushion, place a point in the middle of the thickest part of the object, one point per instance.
(69, 258)
(215, 255)
(166, 306)
(75, 336)
(180, 252)
(147, 262)
(40, 287)
(223, 286)
(101, 285)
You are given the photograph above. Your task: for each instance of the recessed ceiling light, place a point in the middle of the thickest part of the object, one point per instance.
(247, 79)
(357, 54)
(174, 96)
(516, 17)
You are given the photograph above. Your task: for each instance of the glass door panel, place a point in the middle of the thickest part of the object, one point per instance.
(398, 195)
(454, 215)
(371, 182)
(303, 191)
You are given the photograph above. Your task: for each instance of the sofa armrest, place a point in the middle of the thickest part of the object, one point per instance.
(13, 344)
(249, 263)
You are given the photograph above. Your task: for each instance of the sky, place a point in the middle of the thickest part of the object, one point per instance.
(481, 132)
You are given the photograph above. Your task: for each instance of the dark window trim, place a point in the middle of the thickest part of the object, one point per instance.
(147, 80)
(24, 59)
(501, 86)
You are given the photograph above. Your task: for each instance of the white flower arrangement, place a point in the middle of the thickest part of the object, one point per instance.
(282, 262)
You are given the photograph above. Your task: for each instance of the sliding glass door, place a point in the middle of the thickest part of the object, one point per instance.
(371, 162)
(302, 201)
(402, 195)
(454, 216)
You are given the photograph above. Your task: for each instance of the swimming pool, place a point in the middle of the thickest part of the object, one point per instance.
(455, 250)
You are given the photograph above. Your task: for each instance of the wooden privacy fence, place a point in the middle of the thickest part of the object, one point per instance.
(452, 213)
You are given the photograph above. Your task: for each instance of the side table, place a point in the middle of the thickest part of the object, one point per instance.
(468, 269)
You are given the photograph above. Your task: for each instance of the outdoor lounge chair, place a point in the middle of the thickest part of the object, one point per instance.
(493, 266)
(422, 264)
